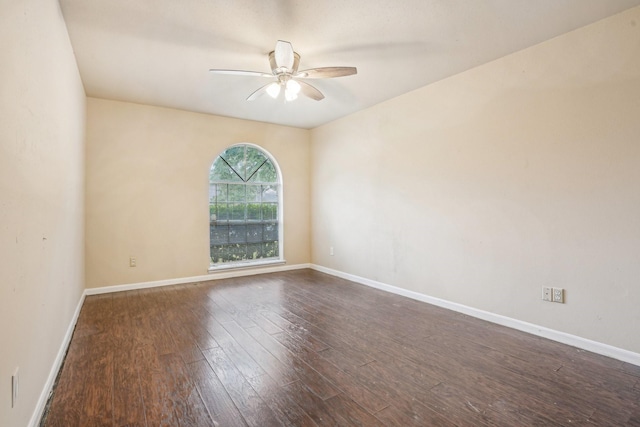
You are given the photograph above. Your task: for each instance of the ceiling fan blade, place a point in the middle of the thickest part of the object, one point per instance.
(310, 91)
(241, 73)
(327, 72)
(284, 56)
(264, 89)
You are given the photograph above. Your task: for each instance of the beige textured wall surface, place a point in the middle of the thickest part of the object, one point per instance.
(42, 116)
(147, 172)
(484, 187)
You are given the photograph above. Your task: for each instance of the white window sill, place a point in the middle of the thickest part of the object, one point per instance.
(245, 264)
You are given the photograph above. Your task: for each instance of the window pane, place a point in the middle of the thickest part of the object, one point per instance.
(254, 212)
(254, 193)
(254, 251)
(217, 254)
(236, 192)
(237, 233)
(235, 158)
(212, 193)
(267, 173)
(269, 211)
(220, 171)
(270, 249)
(227, 253)
(270, 232)
(221, 212)
(222, 192)
(269, 193)
(254, 233)
(237, 252)
(236, 212)
(254, 160)
(219, 234)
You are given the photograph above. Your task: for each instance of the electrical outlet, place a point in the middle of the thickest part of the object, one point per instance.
(132, 262)
(331, 250)
(546, 294)
(14, 388)
(558, 295)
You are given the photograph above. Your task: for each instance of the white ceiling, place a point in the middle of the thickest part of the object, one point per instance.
(158, 52)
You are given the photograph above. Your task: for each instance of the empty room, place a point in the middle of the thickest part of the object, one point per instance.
(332, 213)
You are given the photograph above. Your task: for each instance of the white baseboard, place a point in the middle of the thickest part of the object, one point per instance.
(214, 275)
(57, 364)
(562, 337)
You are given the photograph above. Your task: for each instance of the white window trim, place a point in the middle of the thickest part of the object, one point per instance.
(246, 264)
(260, 262)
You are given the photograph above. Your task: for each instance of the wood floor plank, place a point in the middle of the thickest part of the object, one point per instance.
(188, 407)
(184, 341)
(186, 322)
(314, 380)
(242, 359)
(297, 332)
(221, 408)
(510, 411)
(154, 388)
(413, 413)
(214, 308)
(351, 412)
(154, 327)
(225, 302)
(282, 402)
(271, 364)
(253, 409)
(338, 378)
(98, 399)
(302, 348)
(95, 311)
(486, 381)
(65, 409)
(356, 355)
(631, 369)
(321, 412)
(264, 323)
(128, 406)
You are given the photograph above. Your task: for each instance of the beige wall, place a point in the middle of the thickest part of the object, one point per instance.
(147, 189)
(484, 187)
(42, 109)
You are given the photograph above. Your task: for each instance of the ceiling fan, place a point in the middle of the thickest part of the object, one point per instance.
(284, 67)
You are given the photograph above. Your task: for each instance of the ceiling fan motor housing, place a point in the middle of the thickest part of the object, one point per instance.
(283, 70)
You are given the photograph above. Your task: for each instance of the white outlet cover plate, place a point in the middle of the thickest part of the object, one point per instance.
(558, 295)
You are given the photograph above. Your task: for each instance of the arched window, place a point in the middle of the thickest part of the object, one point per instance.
(244, 207)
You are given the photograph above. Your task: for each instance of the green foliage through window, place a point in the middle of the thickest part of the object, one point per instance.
(243, 206)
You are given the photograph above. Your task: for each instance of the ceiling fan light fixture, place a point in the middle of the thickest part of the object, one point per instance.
(291, 90)
(273, 90)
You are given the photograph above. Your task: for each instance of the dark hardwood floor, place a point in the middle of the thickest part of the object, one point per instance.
(306, 349)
